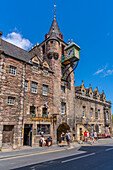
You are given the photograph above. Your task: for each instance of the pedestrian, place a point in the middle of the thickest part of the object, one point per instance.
(92, 137)
(95, 135)
(62, 137)
(82, 138)
(85, 136)
(68, 137)
(49, 141)
(42, 141)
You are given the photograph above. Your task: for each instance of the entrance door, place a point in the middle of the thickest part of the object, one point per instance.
(8, 131)
(80, 133)
(62, 128)
(28, 134)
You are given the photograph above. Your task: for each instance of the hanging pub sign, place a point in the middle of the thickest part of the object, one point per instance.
(71, 53)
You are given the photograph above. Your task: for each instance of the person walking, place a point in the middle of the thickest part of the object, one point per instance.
(85, 136)
(95, 135)
(62, 137)
(68, 137)
(49, 141)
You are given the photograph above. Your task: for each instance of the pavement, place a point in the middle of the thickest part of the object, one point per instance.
(55, 148)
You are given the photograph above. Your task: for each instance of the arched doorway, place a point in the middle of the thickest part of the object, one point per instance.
(62, 128)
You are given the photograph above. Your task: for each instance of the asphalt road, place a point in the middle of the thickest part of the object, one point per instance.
(85, 158)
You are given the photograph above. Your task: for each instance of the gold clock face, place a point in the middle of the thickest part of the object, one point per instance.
(70, 53)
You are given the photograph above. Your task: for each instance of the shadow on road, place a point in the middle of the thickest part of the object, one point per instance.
(53, 164)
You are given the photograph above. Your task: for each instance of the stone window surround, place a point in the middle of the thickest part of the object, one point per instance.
(12, 70)
(84, 108)
(10, 100)
(45, 89)
(26, 85)
(34, 86)
(63, 108)
(62, 89)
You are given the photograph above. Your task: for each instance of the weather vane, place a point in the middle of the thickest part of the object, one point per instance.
(54, 11)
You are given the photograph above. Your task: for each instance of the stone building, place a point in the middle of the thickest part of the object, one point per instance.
(92, 111)
(37, 92)
(38, 96)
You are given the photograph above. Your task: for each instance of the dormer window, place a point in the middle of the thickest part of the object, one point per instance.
(98, 98)
(83, 93)
(91, 95)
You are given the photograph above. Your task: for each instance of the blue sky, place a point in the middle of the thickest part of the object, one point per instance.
(89, 23)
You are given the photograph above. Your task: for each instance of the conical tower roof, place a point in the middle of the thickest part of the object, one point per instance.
(54, 28)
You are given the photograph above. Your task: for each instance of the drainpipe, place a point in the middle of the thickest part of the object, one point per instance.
(24, 74)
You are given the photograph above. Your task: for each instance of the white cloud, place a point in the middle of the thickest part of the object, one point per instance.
(18, 40)
(104, 71)
(98, 71)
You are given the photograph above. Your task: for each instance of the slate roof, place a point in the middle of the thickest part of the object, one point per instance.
(55, 28)
(16, 52)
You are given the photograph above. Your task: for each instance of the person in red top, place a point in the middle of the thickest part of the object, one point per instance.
(85, 136)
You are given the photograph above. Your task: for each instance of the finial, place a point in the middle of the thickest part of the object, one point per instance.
(54, 11)
(71, 40)
(89, 85)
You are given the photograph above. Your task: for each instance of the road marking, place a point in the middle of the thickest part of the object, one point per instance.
(109, 149)
(77, 158)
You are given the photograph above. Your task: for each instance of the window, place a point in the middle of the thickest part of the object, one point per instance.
(106, 115)
(32, 110)
(91, 95)
(83, 93)
(96, 114)
(45, 69)
(63, 108)
(99, 128)
(44, 113)
(98, 98)
(99, 114)
(12, 70)
(62, 71)
(26, 85)
(92, 128)
(43, 129)
(91, 110)
(62, 89)
(51, 42)
(83, 111)
(33, 87)
(10, 100)
(45, 90)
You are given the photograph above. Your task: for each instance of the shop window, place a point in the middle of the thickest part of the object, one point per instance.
(62, 89)
(26, 85)
(33, 87)
(45, 90)
(63, 108)
(43, 129)
(12, 70)
(44, 113)
(32, 110)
